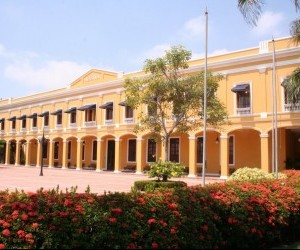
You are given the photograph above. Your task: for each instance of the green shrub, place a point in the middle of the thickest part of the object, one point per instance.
(253, 174)
(148, 185)
(165, 170)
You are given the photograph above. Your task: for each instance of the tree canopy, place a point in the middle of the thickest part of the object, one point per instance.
(169, 99)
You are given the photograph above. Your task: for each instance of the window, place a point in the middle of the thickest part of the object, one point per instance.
(90, 115)
(151, 150)
(132, 150)
(46, 120)
(2, 124)
(94, 150)
(109, 114)
(231, 150)
(56, 150)
(128, 112)
(200, 150)
(290, 105)
(23, 123)
(34, 122)
(109, 110)
(242, 92)
(59, 119)
(73, 117)
(174, 149)
(72, 112)
(13, 124)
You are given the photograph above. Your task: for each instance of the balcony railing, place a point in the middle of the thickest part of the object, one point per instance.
(73, 125)
(291, 107)
(90, 124)
(109, 122)
(58, 126)
(23, 130)
(128, 120)
(243, 111)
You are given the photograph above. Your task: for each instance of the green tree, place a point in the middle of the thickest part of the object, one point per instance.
(252, 9)
(292, 86)
(173, 95)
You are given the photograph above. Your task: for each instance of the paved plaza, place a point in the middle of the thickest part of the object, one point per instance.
(29, 179)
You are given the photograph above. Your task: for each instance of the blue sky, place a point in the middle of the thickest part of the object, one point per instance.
(47, 44)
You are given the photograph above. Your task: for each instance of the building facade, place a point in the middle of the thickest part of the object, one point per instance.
(87, 124)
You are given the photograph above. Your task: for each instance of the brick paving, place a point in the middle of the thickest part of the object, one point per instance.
(28, 179)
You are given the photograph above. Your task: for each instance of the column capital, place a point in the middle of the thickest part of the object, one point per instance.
(192, 137)
(264, 135)
(99, 140)
(224, 136)
(139, 139)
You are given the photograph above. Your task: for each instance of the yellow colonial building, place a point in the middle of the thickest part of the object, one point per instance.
(88, 125)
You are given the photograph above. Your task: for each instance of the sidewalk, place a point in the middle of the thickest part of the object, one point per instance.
(29, 179)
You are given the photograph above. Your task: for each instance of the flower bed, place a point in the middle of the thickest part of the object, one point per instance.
(228, 215)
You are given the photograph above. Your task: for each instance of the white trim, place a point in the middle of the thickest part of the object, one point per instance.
(83, 151)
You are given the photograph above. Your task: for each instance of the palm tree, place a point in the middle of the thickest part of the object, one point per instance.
(292, 86)
(251, 10)
(295, 30)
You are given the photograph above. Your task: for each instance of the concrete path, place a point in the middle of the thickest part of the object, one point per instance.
(29, 179)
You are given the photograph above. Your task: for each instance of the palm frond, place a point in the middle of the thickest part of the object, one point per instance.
(251, 10)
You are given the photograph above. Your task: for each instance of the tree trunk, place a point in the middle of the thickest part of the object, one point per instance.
(166, 142)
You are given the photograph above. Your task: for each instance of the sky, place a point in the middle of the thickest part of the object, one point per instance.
(48, 44)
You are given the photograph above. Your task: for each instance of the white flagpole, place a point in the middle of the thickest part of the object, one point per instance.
(274, 133)
(205, 103)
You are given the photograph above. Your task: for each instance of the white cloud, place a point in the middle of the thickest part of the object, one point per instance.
(48, 75)
(268, 24)
(193, 28)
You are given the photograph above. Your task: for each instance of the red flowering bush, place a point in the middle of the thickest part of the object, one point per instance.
(229, 215)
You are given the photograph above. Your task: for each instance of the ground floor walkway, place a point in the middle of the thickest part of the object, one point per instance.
(29, 179)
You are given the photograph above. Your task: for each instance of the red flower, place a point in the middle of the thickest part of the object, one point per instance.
(5, 224)
(173, 230)
(24, 217)
(2, 246)
(151, 221)
(154, 245)
(117, 210)
(153, 209)
(131, 246)
(204, 228)
(21, 234)
(112, 220)
(6, 232)
(172, 206)
(141, 200)
(35, 225)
